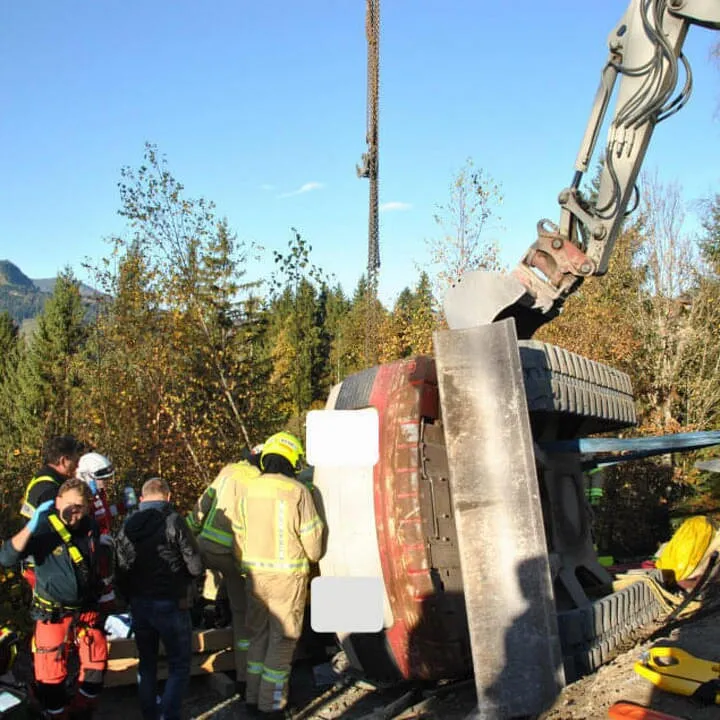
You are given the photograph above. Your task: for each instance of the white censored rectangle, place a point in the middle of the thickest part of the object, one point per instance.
(346, 604)
(343, 438)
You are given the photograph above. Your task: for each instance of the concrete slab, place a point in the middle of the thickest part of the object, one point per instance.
(509, 599)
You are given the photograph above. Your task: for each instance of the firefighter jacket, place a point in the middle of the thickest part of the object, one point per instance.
(44, 486)
(157, 556)
(215, 512)
(278, 526)
(67, 576)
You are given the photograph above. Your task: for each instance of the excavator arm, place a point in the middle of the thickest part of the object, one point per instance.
(643, 70)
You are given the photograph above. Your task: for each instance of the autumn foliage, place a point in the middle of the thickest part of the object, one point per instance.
(186, 359)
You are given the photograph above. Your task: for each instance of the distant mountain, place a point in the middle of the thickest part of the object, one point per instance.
(18, 294)
(12, 275)
(47, 285)
(25, 299)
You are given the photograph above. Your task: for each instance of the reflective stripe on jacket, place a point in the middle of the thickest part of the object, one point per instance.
(42, 487)
(278, 526)
(214, 513)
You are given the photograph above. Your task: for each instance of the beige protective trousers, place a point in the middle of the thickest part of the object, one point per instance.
(224, 564)
(275, 607)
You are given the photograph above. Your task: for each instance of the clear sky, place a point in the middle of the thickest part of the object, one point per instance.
(260, 107)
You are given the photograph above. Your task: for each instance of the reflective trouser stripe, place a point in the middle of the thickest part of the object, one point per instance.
(274, 676)
(277, 679)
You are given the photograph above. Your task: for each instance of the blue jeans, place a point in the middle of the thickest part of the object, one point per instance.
(155, 620)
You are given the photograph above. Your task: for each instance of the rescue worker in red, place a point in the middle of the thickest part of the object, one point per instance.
(63, 541)
(279, 534)
(95, 470)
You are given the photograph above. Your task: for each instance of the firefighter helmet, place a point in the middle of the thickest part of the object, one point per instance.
(93, 466)
(285, 445)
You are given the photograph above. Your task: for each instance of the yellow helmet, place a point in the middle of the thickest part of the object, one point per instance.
(285, 445)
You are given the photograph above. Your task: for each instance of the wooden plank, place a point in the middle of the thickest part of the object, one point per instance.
(123, 671)
(203, 641)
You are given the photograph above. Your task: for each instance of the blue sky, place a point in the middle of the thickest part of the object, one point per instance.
(254, 101)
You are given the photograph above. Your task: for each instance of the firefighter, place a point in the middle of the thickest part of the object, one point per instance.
(280, 534)
(211, 521)
(66, 599)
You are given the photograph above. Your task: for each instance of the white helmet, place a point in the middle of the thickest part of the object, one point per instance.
(93, 467)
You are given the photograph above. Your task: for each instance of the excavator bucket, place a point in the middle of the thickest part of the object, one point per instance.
(481, 297)
(510, 607)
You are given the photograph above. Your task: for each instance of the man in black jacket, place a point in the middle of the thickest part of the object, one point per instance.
(157, 562)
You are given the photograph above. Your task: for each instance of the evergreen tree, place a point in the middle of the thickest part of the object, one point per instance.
(356, 355)
(9, 335)
(332, 307)
(422, 319)
(49, 381)
(10, 347)
(295, 337)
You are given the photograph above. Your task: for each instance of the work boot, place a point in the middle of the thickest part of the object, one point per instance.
(241, 688)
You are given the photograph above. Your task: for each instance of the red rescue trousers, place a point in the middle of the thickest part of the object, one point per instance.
(52, 643)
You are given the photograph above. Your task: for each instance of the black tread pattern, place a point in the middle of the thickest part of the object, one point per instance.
(355, 390)
(591, 636)
(561, 382)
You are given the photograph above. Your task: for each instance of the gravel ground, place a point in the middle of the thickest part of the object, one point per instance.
(355, 699)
